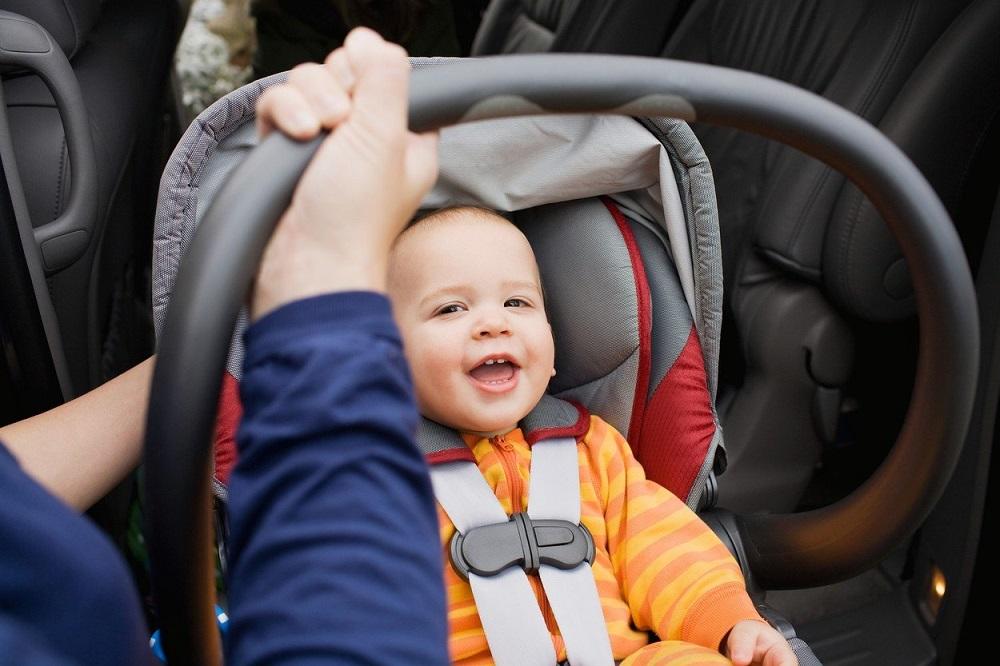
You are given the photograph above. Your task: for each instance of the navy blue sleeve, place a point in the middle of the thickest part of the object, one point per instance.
(334, 545)
(66, 596)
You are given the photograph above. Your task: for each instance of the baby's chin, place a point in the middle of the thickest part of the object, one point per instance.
(490, 433)
(481, 428)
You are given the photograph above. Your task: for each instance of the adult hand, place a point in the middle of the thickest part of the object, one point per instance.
(364, 183)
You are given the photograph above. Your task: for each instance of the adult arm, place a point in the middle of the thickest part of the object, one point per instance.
(78, 451)
(333, 548)
(65, 593)
(334, 551)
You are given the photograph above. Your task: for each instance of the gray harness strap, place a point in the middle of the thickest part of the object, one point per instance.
(554, 493)
(512, 620)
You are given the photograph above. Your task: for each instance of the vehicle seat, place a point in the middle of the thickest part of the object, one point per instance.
(812, 273)
(624, 27)
(120, 52)
(819, 338)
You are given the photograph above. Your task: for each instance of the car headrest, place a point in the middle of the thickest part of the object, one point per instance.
(924, 72)
(68, 21)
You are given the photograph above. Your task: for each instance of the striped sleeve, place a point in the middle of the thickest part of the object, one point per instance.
(677, 577)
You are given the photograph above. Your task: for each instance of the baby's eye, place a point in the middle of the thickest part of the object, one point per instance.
(516, 303)
(451, 308)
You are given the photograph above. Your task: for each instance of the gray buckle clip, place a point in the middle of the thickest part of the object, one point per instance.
(489, 549)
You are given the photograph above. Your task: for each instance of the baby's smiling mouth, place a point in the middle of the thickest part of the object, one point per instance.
(494, 372)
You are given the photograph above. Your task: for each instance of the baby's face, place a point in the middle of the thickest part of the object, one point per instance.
(467, 296)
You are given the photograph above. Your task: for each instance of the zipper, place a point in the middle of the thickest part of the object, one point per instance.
(508, 459)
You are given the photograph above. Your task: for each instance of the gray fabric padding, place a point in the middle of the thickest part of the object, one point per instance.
(609, 396)
(190, 168)
(432, 437)
(697, 191)
(550, 413)
(590, 293)
(671, 325)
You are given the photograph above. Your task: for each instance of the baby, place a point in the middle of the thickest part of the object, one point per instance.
(467, 296)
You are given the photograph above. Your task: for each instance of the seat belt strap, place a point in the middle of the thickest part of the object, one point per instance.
(513, 623)
(554, 493)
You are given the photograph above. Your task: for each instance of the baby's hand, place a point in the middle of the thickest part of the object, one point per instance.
(756, 643)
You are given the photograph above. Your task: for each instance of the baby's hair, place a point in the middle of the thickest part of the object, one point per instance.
(445, 212)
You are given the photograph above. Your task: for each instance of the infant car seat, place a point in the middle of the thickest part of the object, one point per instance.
(599, 200)
(621, 215)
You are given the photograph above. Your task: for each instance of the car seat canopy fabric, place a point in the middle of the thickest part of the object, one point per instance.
(593, 194)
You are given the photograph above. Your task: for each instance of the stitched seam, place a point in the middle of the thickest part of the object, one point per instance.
(60, 178)
(845, 259)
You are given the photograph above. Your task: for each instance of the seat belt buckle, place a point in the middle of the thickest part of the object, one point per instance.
(489, 549)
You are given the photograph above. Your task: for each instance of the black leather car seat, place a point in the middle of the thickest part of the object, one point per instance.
(623, 27)
(819, 341)
(120, 52)
(819, 301)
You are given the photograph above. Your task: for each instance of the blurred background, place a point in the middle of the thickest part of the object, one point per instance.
(227, 43)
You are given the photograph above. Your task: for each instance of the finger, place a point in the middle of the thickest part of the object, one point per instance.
(741, 647)
(340, 67)
(329, 102)
(285, 108)
(421, 163)
(383, 72)
(779, 654)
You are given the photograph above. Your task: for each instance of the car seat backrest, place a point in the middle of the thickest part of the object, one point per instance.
(806, 257)
(790, 208)
(68, 21)
(625, 335)
(120, 52)
(513, 26)
(624, 26)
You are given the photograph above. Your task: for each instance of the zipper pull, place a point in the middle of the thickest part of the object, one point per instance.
(501, 442)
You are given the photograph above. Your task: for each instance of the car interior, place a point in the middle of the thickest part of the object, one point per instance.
(819, 334)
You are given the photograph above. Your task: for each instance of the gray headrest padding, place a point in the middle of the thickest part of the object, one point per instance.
(68, 21)
(591, 303)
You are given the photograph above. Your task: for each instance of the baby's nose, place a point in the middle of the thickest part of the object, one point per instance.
(493, 326)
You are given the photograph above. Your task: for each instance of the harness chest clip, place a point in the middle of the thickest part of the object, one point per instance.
(489, 549)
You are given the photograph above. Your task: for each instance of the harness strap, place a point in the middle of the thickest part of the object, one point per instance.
(513, 622)
(554, 493)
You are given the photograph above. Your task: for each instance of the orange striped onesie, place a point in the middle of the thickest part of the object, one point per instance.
(658, 567)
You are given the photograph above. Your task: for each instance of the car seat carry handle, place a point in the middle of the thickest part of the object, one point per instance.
(26, 45)
(784, 551)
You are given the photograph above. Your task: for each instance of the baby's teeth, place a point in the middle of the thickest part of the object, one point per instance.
(490, 362)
